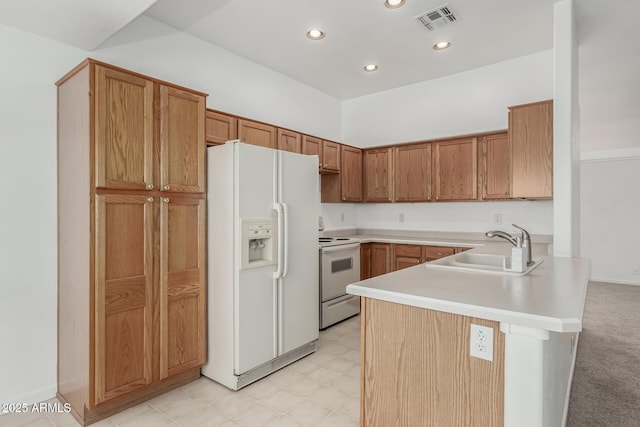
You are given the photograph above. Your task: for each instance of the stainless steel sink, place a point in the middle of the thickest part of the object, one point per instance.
(478, 263)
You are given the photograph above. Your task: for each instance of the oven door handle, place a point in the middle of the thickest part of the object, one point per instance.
(341, 248)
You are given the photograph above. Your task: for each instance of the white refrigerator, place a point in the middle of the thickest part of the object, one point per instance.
(262, 257)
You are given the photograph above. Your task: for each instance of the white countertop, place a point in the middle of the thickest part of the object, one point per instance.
(551, 297)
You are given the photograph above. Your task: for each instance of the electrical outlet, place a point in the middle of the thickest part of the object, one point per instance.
(497, 219)
(636, 271)
(481, 342)
(342, 217)
(401, 217)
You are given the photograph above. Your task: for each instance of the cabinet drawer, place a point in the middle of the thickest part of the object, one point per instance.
(413, 251)
(435, 252)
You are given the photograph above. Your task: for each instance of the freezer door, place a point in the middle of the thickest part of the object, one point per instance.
(298, 307)
(255, 323)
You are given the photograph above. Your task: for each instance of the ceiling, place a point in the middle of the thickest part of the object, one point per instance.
(358, 32)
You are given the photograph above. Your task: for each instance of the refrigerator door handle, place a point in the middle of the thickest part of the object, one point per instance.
(285, 241)
(280, 214)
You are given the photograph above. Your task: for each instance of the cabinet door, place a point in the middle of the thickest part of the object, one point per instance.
(220, 128)
(351, 174)
(312, 146)
(531, 138)
(182, 284)
(380, 259)
(455, 174)
(495, 167)
(331, 156)
(412, 173)
(378, 173)
(257, 133)
(404, 262)
(123, 130)
(289, 141)
(431, 253)
(365, 261)
(123, 295)
(182, 142)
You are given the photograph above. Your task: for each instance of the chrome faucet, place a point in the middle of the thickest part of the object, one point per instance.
(523, 241)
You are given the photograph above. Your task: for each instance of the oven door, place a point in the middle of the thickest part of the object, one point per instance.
(340, 266)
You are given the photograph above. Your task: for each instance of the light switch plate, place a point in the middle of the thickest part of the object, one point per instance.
(481, 341)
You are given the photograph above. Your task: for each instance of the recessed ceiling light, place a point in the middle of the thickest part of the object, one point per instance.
(394, 4)
(315, 34)
(371, 67)
(441, 45)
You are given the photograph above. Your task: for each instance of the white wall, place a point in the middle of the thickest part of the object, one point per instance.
(610, 224)
(340, 216)
(28, 236)
(469, 102)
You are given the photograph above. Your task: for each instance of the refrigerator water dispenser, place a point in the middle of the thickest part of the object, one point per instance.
(258, 244)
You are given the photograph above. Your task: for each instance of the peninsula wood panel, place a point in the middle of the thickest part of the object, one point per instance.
(416, 369)
(331, 153)
(455, 167)
(351, 174)
(412, 173)
(257, 133)
(182, 141)
(312, 146)
(531, 138)
(182, 284)
(289, 141)
(378, 175)
(220, 128)
(124, 142)
(495, 167)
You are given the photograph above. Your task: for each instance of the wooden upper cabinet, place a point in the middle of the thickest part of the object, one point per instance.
(312, 146)
(182, 141)
(331, 156)
(495, 167)
(220, 128)
(378, 175)
(123, 295)
(124, 130)
(351, 174)
(455, 174)
(257, 133)
(412, 173)
(182, 284)
(289, 141)
(531, 138)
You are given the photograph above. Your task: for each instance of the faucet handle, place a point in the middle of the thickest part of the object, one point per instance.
(525, 233)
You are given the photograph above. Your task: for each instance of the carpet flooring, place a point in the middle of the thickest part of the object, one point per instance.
(606, 381)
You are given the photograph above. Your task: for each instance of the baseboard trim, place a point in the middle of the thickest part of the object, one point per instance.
(616, 281)
(573, 367)
(35, 396)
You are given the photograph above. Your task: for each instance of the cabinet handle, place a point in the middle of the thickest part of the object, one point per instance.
(165, 199)
(165, 188)
(150, 199)
(149, 186)
(438, 253)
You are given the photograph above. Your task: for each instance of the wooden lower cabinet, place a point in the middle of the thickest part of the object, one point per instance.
(381, 262)
(365, 261)
(416, 369)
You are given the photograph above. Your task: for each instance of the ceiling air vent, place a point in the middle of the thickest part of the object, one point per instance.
(438, 17)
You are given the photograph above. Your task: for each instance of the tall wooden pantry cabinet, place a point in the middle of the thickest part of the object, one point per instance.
(131, 238)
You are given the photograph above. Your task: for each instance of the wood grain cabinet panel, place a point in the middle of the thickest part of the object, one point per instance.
(381, 262)
(495, 167)
(365, 261)
(182, 141)
(331, 153)
(289, 141)
(312, 146)
(220, 128)
(124, 142)
(131, 263)
(417, 369)
(432, 253)
(531, 139)
(378, 175)
(455, 175)
(412, 173)
(257, 133)
(351, 174)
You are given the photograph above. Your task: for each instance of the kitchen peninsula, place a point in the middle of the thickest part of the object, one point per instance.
(417, 337)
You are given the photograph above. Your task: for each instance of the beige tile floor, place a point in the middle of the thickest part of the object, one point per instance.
(320, 390)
